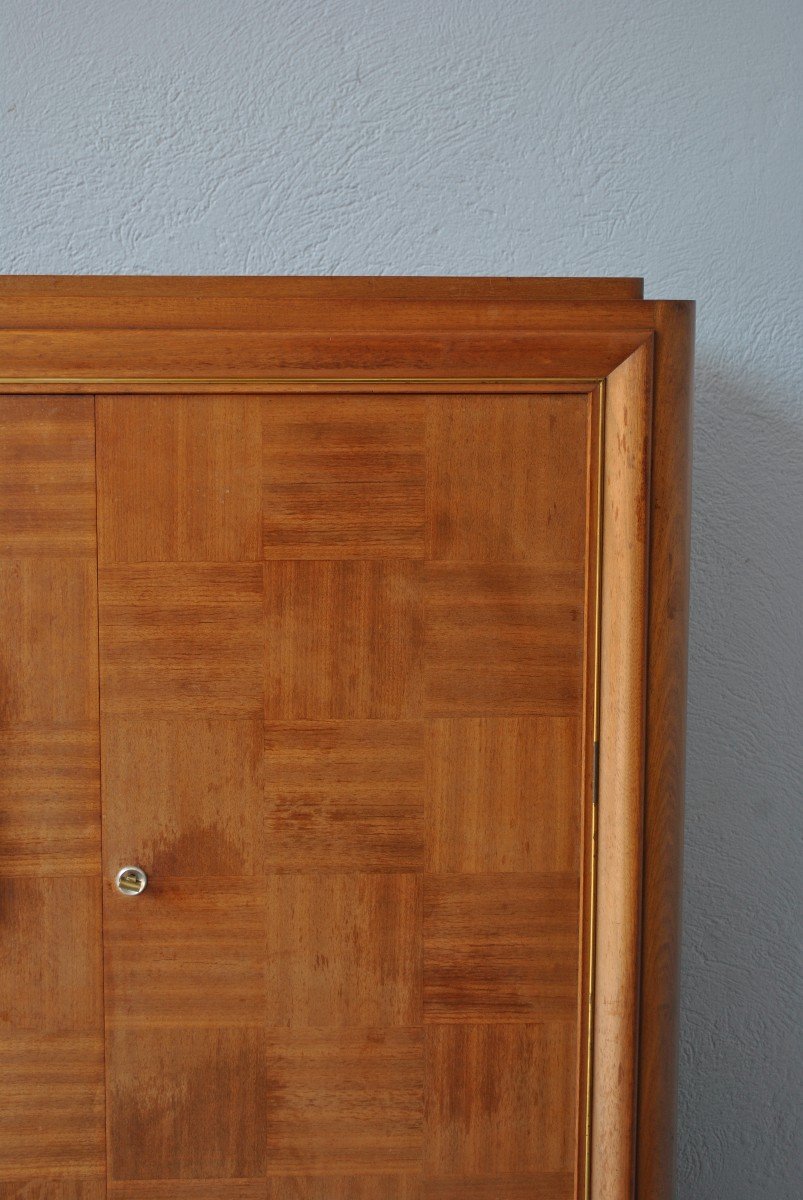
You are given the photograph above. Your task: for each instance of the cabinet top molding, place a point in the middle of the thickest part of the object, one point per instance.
(71, 333)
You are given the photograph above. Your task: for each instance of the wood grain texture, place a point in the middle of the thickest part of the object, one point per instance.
(486, 668)
(182, 795)
(297, 301)
(178, 479)
(182, 639)
(343, 640)
(192, 1189)
(47, 476)
(500, 947)
(187, 1103)
(506, 477)
(344, 796)
(344, 950)
(51, 1105)
(547, 1185)
(623, 629)
(49, 802)
(51, 976)
(500, 1101)
(503, 794)
(344, 1102)
(54, 1189)
(51, 1052)
(134, 360)
(502, 640)
(48, 642)
(345, 1187)
(670, 515)
(185, 952)
(344, 477)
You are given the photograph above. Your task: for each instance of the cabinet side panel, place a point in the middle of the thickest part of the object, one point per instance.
(666, 729)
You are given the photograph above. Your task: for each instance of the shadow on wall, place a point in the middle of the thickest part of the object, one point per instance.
(739, 1084)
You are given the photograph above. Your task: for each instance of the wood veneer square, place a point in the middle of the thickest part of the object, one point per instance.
(186, 1103)
(178, 478)
(344, 950)
(51, 1105)
(188, 952)
(502, 640)
(182, 796)
(507, 478)
(500, 947)
(503, 794)
(343, 640)
(346, 1101)
(500, 1101)
(182, 639)
(344, 796)
(49, 802)
(343, 477)
(47, 476)
(50, 980)
(48, 627)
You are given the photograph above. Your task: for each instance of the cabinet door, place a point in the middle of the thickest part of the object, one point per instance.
(346, 683)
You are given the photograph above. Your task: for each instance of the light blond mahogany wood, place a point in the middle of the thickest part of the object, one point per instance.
(351, 945)
(130, 360)
(352, 1101)
(670, 518)
(623, 646)
(364, 660)
(49, 1189)
(50, 643)
(344, 796)
(192, 1189)
(502, 1109)
(187, 1100)
(457, 663)
(178, 481)
(51, 1106)
(477, 513)
(199, 795)
(52, 1138)
(343, 480)
(181, 639)
(215, 302)
(499, 792)
(47, 476)
(49, 802)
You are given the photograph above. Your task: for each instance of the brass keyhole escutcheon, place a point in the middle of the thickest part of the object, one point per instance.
(131, 881)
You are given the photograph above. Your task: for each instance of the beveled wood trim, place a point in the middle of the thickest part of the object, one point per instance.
(622, 719)
(120, 360)
(292, 385)
(593, 596)
(670, 511)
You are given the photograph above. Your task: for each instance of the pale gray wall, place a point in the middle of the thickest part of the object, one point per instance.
(511, 137)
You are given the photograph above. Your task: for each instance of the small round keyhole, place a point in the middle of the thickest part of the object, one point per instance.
(131, 881)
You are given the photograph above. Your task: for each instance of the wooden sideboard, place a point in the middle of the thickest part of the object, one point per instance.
(343, 635)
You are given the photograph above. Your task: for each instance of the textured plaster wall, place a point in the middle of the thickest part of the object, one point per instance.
(511, 137)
